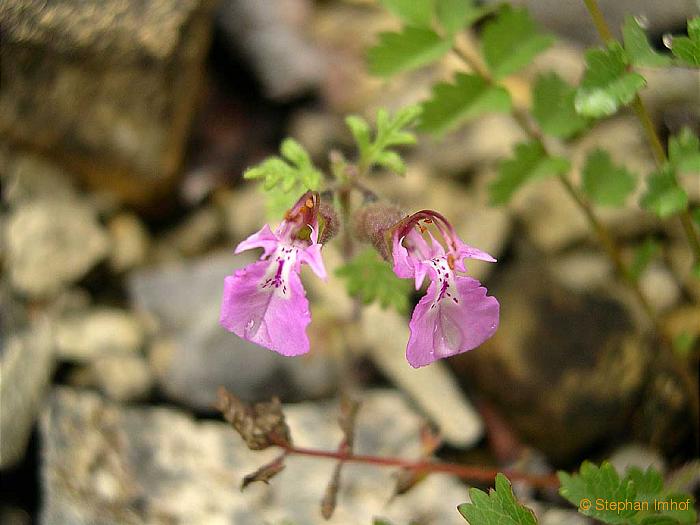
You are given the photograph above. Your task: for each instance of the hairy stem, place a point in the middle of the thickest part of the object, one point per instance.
(605, 238)
(652, 136)
(466, 472)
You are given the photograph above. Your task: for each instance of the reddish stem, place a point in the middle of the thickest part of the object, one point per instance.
(472, 473)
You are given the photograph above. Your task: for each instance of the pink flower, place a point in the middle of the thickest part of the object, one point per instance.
(265, 302)
(455, 314)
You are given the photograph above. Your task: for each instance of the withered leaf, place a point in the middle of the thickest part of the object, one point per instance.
(261, 425)
(330, 496)
(265, 473)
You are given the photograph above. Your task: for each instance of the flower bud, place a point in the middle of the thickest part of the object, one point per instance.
(373, 222)
(331, 224)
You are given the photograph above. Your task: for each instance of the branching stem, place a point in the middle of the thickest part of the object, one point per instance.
(466, 472)
(652, 136)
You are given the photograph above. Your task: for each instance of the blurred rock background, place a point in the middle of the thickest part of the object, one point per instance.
(124, 129)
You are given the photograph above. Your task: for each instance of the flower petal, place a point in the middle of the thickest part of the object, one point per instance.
(263, 316)
(264, 239)
(469, 252)
(444, 328)
(312, 257)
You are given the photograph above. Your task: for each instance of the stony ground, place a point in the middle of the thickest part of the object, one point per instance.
(121, 149)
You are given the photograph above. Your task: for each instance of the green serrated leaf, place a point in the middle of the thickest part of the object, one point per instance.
(637, 498)
(391, 131)
(284, 179)
(511, 41)
(417, 13)
(553, 107)
(684, 151)
(413, 47)
(664, 196)
(604, 182)
(371, 279)
(499, 507)
(638, 48)
(455, 15)
(529, 163)
(643, 255)
(593, 484)
(687, 48)
(469, 97)
(607, 85)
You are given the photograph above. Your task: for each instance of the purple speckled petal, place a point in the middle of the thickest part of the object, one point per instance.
(264, 239)
(266, 316)
(450, 328)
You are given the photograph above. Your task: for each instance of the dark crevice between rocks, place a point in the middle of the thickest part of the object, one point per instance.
(20, 496)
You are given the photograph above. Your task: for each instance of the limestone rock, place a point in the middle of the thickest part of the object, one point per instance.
(129, 242)
(50, 244)
(85, 335)
(26, 360)
(107, 86)
(108, 464)
(123, 377)
(270, 33)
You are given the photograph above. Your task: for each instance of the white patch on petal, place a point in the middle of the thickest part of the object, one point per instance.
(276, 278)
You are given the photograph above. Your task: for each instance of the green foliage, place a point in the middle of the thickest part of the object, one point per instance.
(687, 49)
(553, 107)
(498, 507)
(511, 41)
(684, 151)
(416, 13)
(529, 163)
(285, 178)
(391, 131)
(607, 84)
(604, 182)
(413, 47)
(469, 97)
(599, 492)
(454, 15)
(643, 255)
(664, 196)
(371, 279)
(638, 48)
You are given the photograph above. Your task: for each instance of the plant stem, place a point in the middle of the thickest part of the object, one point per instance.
(681, 369)
(466, 472)
(604, 236)
(652, 136)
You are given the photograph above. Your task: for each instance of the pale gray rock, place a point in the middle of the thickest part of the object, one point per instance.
(26, 361)
(129, 242)
(185, 299)
(272, 36)
(85, 335)
(112, 465)
(50, 244)
(569, 18)
(660, 286)
(123, 377)
(196, 232)
(637, 455)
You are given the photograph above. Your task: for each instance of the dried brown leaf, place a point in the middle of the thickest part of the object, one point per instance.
(265, 473)
(261, 425)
